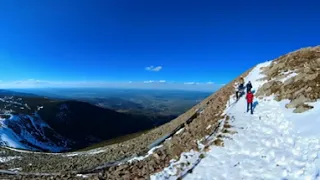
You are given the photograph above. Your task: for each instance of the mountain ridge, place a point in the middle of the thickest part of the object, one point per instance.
(213, 128)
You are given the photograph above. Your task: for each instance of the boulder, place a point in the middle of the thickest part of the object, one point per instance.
(299, 77)
(299, 93)
(302, 108)
(294, 103)
(310, 77)
(309, 89)
(278, 78)
(278, 98)
(288, 81)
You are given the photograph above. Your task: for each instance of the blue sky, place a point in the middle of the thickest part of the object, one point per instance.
(82, 42)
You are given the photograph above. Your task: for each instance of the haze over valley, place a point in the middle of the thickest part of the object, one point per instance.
(69, 119)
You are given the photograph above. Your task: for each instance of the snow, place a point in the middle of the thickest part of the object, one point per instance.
(178, 168)
(289, 75)
(307, 123)
(8, 158)
(9, 138)
(15, 169)
(180, 130)
(39, 108)
(273, 143)
(82, 175)
(139, 158)
(90, 152)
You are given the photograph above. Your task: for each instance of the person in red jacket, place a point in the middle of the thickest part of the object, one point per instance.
(249, 98)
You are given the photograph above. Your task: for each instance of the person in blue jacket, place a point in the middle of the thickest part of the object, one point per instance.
(249, 86)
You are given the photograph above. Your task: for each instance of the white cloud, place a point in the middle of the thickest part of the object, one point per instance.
(189, 83)
(150, 81)
(209, 82)
(152, 68)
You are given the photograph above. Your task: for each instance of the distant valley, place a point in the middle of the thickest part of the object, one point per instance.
(58, 120)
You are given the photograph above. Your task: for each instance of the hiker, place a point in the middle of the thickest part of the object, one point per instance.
(241, 80)
(249, 86)
(237, 91)
(249, 98)
(240, 89)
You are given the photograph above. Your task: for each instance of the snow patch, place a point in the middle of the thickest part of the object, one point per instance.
(14, 139)
(178, 168)
(8, 158)
(139, 158)
(288, 75)
(82, 175)
(90, 152)
(180, 130)
(39, 108)
(15, 169)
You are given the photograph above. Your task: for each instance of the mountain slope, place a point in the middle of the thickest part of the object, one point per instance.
(79, 120)
(218, 139)
(40, 124)
(30, 133)
(21, 126)
(274, 143)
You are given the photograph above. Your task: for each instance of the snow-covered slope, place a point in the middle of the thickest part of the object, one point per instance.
(21, 127)
(29, 133)
(273, 143)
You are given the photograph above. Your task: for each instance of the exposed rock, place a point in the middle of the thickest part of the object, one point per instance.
(304, 87)
(300, 100)
(299, 77)
(277, 98)
(218, 142)
(309, 89)
(302, 108)
(307, 70)
(310, 77)
(269, 88)
(299, 93)
(288, 81)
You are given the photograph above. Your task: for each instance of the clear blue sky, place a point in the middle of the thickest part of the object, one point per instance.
(115, 40)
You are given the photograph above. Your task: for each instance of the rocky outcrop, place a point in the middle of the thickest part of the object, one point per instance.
(294, 76)
(302, 108)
